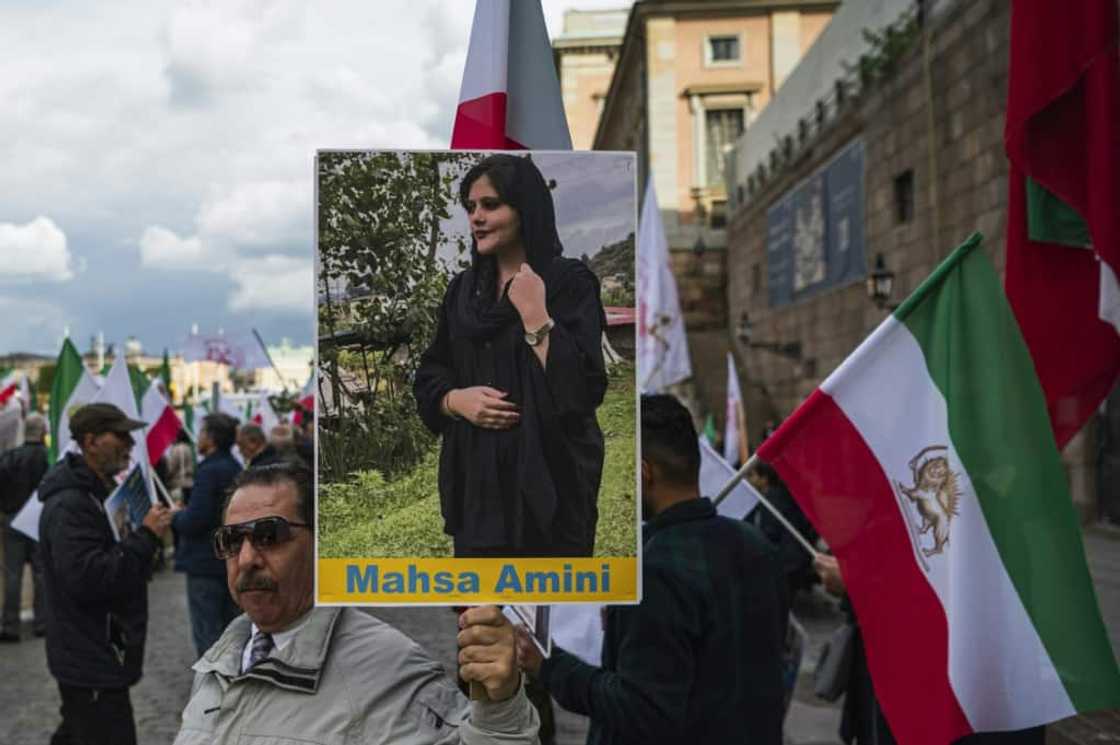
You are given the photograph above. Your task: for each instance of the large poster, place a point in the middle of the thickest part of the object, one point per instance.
(815, 231)
(476, 434)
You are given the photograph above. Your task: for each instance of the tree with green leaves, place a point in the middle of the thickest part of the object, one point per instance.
(384, 263)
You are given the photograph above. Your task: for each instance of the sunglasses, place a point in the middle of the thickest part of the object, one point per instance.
(263, 533)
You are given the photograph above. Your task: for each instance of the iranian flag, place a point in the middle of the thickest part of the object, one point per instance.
(510, 95)
(265, 416)
(10, 386)
(735, 447)
(164, 425)
(927, 462)
(305, 406)
(72, 387)
(1062, 136)
(663, 358)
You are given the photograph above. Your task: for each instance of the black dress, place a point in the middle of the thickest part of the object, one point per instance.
(530, 490)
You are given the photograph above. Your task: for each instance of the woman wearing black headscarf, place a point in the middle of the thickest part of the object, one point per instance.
(514, 375)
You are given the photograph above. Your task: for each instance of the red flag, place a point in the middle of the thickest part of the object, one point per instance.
(1062, 137)
(164, 425)
(510, 95)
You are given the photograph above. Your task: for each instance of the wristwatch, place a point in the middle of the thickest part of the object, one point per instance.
(533, 338)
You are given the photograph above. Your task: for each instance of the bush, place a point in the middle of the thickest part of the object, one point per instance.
(370, 515)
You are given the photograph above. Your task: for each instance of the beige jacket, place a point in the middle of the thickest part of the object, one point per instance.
(345, 677)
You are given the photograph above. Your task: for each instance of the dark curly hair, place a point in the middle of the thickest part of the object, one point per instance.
(669, 439)
(519, 184)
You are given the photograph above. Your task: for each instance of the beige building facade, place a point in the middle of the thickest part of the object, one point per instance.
(688, 78)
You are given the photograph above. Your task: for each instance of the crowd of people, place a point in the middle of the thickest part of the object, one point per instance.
(701, 658)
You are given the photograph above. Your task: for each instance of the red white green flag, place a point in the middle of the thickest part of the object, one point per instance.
(72, 387)
(164, 425)
(927, 463)
(9, 386)
(1062, 137)
(510, 96)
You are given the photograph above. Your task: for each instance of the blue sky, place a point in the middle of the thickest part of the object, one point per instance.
(158, 157)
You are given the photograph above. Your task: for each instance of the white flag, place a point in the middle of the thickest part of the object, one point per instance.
(117, 390)
(662, 344)
(578, 628)
(715, 472)
(265, 416)
(732, 447)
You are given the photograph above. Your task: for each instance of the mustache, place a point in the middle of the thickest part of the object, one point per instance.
(256, 581)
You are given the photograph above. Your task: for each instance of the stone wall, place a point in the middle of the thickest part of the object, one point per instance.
(961, 189)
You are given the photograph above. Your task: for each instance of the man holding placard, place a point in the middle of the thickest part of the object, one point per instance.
(96, 587)
(700, 660)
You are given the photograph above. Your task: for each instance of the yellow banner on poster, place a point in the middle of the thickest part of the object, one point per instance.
(473, 581)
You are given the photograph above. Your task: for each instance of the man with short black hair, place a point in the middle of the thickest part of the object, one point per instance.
(21, 470)
(290, 671)
(209, 604)
(96, 587)
(700, 659)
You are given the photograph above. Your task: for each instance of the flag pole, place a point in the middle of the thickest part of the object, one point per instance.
(162, 489)
(742, 474)
(283, 383)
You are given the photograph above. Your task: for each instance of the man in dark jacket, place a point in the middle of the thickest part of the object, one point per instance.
(96, 588)
(700, 659)
(208, 600)
(21, 470)
(255, 449)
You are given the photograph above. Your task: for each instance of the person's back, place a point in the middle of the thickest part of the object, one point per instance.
(718, 582)
(21, 470)
(700, 659)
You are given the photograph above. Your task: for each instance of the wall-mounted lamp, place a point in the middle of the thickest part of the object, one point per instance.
(880, 283)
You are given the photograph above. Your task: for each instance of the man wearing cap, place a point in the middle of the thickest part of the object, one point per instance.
(96, 588)
(21, 470)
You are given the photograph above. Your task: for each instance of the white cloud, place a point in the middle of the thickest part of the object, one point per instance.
(259, 213)
(162, 249)
(215, 47)
(188, 130)
(272, 283)
(34, 251)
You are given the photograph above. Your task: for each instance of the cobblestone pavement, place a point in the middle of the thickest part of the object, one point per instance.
(29, 698)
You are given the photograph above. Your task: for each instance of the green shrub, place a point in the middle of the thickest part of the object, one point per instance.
(369, 515)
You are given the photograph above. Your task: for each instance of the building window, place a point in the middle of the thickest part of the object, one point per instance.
(722, 128)
(904, 197)
(722, 50)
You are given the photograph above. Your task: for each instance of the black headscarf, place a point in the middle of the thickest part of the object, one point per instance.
(520, 185)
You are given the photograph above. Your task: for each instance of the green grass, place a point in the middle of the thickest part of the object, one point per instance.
(368, 516)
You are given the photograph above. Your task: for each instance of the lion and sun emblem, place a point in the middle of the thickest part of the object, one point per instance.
(935, 495)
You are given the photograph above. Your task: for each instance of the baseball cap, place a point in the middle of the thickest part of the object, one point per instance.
(98, 418)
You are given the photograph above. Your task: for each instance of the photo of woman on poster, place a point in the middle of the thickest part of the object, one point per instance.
(513, 377)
